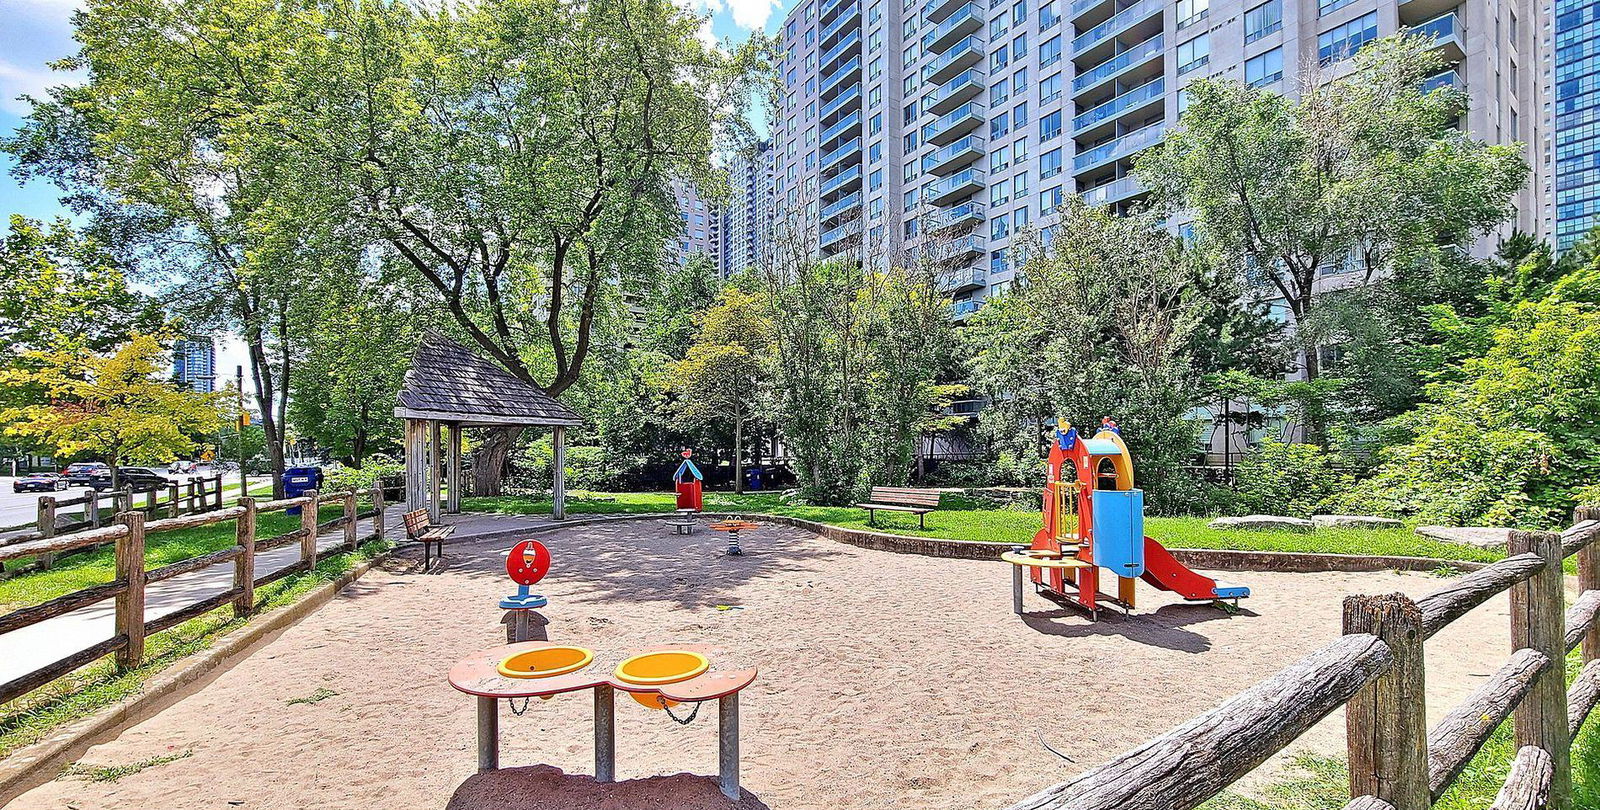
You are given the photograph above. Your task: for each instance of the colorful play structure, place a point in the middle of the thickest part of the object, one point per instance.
(527, 563)
(1091, 480)
(687, 480)
(732, 529)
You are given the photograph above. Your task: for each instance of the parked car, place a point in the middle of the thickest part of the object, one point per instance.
(40, 482)
(141, 479)
(181, 467)
(83, 472)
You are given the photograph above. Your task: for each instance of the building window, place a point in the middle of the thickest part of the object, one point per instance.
(1194, 54)
(1050, 199)
(1264, 68)
(1191, 12)
(1019, 114)
(999, 59)
(1263, 20)
(1326, 7)
(1000, 227)
(1000, 91)
(875, 180)
(1343, 41)
(1050, 126)
(1048, 15)
(1000, 125)
(1050, 164)
(1050, 51)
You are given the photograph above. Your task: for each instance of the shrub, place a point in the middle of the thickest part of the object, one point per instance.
(376, 467)
(1287, 479)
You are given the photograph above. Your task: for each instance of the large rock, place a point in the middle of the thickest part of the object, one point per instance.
(1479, 536)
(1263, 523)
(1355, 522)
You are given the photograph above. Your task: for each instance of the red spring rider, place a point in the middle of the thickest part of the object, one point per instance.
(687, 479)
(527, 563)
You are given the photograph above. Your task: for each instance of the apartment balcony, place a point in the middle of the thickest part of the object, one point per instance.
(951, 94)
(850, 70)
(1118, 148)
(846, 204)
(1113, 192)
(1137, 56)
(848, 98)
(963, 54)
(961, 249)
(1445, 31)
(955, 123)
(967, 19)
(833, 236)
(826, 8)
(962, 310)
(1135, 99)
(1082, 7)
(848, 45)
(1449, 78)
(849, 178)
(962, 280)
(1119, 22)
(939, 10)
(954, 156)
(964, 215)
(961, 184)
(831, 159)
(850, 124)
(851, 15)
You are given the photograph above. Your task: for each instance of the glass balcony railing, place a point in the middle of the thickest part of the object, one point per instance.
(849, 201)
(1441, 29)
(1111, 67)
(1138, 95)
(846, 17)
(968, 148)
(848, 70)
(840, 180)
(970, 245)
(965, 181)
(1118, 147)
(968, 213)
(961, 310)
(850, 40)
(969, 279)
(1120, 21)
(966, 84)
(953, 124)
(1081, 6)
(853, 145)
(847, 95)
(968, 18)
(1449, 78)
(1114, 191)
(938, 10)
(961, 54)
(851, 121)
(833, 236)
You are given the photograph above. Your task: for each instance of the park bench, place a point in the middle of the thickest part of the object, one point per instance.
(901, 499)
(420, 529)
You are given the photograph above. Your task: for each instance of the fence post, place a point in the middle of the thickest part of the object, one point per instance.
(173, 508)
(193, 497)
(308, 524)
(244, 568)
(218, 483)
(47, 528)
(1538, 622)
(1589, 578)
(1386, 722)
(130, 604)
(350, 520)
(127, 501)
(377, 504)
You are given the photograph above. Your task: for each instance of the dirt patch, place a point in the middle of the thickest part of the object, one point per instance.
(886, 681)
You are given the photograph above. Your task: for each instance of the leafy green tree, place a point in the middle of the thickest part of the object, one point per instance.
(116, 407)
(60, 290)
(723, 375)
(1278, 478)
(1365, 169)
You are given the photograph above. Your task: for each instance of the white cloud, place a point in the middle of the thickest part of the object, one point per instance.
(16, 81)
(752, 15)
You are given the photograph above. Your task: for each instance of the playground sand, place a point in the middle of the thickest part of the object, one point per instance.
(887, 681)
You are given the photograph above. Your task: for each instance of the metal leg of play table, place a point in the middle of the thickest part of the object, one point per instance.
(728, 745)
(488, 734)
(1016, 589)
(605, 734)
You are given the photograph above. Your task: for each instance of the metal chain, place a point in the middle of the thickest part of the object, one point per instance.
(684, 721)
(512, 704)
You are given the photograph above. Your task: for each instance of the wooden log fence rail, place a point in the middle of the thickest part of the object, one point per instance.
(129, 533)
(1376, 672)
(197, 496)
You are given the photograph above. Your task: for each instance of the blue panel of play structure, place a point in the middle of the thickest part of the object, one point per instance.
(1119, 531)
(1232, 592)
(1101, 447)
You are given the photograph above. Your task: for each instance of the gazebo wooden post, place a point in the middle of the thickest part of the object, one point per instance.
(416, 465)
(435, 477)
(452, 502)
(558, 483)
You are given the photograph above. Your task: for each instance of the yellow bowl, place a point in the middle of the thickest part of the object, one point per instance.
(545, 662)
(657, 668)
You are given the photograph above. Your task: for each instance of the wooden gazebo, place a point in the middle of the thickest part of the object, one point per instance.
(449, 386)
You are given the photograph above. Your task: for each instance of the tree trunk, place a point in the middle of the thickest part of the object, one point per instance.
(489, 460)
(738, 455)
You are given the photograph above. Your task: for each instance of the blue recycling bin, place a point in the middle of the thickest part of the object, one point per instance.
(752, 478)
(298, 481)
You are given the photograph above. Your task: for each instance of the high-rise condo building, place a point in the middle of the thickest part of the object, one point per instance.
(1577, 118)
(747, 219)
(702, 226)
(194, 364)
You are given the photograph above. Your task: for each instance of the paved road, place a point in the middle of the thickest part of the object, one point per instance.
(17, 508)
(23, 651)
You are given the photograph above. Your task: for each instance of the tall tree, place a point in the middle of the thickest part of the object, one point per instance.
(723, 375)
(1364, 169)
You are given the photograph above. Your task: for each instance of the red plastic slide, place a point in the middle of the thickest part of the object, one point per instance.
(1164, 571)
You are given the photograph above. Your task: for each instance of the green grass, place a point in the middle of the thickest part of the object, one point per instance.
(960, 518)
(111, 773)
(29, 719)
(317, 695)
(76, 571)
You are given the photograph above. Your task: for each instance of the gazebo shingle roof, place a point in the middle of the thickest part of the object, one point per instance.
(452, 383)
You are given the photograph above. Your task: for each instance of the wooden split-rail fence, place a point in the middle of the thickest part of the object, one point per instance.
(1376, 671)
(192, 497)
(129, 533)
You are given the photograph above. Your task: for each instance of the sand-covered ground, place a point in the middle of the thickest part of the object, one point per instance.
(887, 681)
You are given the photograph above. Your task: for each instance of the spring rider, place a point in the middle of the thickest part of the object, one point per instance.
(527, 563)
(1092, 480)
(687, 480)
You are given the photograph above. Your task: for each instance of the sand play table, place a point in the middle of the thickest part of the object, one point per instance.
(662, 675)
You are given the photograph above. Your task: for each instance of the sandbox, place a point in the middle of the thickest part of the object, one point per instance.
(887, 680)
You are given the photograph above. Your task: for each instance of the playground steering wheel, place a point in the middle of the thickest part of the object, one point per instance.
(528, 562)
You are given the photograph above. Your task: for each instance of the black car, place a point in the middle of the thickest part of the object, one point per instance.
(140, 479)
(83, 472)
(39, 482)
